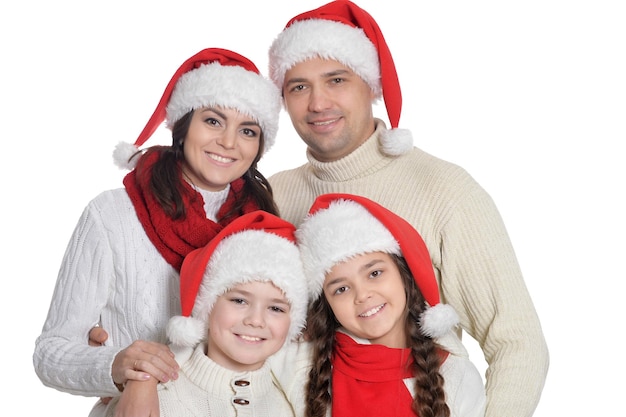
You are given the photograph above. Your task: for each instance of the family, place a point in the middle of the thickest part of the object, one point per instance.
(341, 287)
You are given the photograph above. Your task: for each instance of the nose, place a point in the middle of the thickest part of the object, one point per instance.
(361, 294)
(318, 100)
(254, 317)
(227, 139)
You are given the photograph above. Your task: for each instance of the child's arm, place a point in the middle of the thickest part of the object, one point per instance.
(139, 399)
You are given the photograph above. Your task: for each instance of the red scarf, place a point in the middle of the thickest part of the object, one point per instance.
(368, 380)
(174, 239)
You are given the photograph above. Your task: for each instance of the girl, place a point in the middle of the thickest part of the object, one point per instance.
(382, 341)
(121, 266)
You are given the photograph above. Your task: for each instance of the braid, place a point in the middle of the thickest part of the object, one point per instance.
(318, 398)
(429, 400)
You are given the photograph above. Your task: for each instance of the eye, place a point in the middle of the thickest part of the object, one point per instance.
(251, 133)
(297, 88)
(340, 290)
(277, 309)
(237, 300)
(212, 121)
(376, 273)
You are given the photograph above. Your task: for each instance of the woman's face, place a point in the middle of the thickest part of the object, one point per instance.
(220, 146)
(367, 296)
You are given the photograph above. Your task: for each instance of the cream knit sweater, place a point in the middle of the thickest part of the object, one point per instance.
(474, 261)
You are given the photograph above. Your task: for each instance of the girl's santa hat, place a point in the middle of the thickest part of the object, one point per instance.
(257, 246)
(342, 31)
(342, 226)
(212, 77)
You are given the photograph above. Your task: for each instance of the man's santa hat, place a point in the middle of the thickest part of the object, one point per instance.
(342, 226)
(342, 31)
(212, 77)
(257, 246)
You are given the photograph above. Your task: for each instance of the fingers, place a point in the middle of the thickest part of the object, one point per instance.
(143, 359)
(97, 336)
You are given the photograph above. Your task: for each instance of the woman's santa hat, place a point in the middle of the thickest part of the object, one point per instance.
(342, 31)
(212, 77)
(257, 246)
(342, 226)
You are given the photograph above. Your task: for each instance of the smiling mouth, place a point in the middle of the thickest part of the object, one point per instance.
(371, 312)
(220, 158)
(250, 338)
(324, 123)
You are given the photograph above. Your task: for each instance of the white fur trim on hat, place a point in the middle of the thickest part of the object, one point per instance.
(325, 39)
(343, 230)
(229, 86)
(438, 320)
(247, 256)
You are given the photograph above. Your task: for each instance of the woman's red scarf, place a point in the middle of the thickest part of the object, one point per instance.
(368, 380)
(174, 239)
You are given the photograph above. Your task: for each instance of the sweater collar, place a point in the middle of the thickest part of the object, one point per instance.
(364, 160)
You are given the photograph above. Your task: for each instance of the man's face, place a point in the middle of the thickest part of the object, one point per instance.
(330, 107)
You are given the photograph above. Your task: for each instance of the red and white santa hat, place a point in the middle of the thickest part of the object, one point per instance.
(342, 226)
(344, 32)
(212, 77)
(257, 246)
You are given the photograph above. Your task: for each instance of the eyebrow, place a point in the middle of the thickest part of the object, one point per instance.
(329, 74)
(368, 265)
(223, 116)
(251, 294)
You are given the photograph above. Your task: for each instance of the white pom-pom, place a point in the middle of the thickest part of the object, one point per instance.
(186, 331)
(395, 142)
(123, 155)
(438, 320)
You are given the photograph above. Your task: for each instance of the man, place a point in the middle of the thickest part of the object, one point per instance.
(332, 64)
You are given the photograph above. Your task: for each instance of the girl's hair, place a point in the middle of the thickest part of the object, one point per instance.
(166, 182)
(429, 399)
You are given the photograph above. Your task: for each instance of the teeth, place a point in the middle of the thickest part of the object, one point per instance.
(250, 339)
(220, 158)
(324, 123)
(372, 311)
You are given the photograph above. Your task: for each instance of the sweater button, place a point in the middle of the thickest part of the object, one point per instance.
(241, 401)
(242, 383)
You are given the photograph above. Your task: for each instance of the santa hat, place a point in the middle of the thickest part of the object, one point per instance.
(342, 31)
(342, 226)
(212, 77)
(257, 246)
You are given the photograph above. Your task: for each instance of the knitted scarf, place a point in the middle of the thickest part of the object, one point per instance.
(368, 379)
(174, 239)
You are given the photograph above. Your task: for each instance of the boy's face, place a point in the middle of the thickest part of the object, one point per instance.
(247, 324)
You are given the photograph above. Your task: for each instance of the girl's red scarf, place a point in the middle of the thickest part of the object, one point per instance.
(174, 239)
(368, 379)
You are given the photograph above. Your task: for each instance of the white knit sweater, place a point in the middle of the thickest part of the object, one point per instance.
(111, 274)
(474, 261)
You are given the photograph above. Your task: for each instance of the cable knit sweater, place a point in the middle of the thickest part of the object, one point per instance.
(471, 252)
(205, 389)
(111, 274)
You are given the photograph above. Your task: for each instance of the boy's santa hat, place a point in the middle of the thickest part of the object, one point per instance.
(257, 246)
(342, 226)
(212, 77)
(342, 31)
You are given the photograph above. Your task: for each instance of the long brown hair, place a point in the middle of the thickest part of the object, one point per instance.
(429, 399)
(166, 181)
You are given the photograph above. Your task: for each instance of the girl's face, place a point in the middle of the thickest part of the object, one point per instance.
(367, 296)
(220, 146)
(247, 324)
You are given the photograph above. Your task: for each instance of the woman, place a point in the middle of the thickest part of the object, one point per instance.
(121, 267)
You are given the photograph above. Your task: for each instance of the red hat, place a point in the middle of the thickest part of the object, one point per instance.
(257, 246)
(341, 226)
(212, 77)
(342, 31)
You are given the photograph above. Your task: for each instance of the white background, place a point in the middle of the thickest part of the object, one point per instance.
(529, 97)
